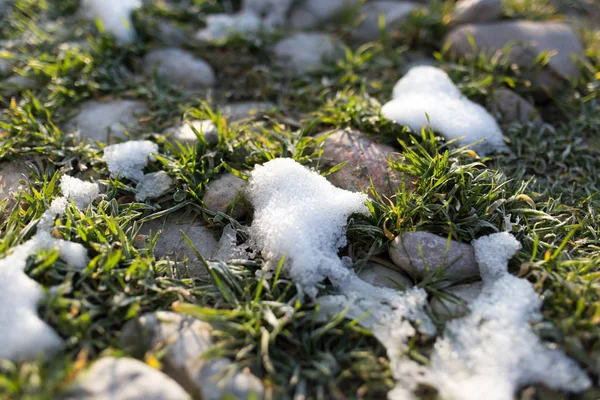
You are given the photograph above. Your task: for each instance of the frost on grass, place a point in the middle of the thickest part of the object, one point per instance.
(492, 352)
(24, 335)
(114, 15)
(153, 185)
(128, 159)
(427, 96)
(299, 214)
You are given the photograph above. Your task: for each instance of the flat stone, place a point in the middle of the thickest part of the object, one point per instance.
(513, 108)
(382, 276)
(467, 11)
(457, 304)
(393, 12)
(170, 35)
(366, 161)
(184, 132)
(10, 174)
(172, 245)
(113, 378)
(104, 121)
(185, 339)
(153, 185)
(224, 192)
(536, 38)
(309, 13)
(272, 12)
(303, 52)
(180, 68)
(245, 109)
(458, 261)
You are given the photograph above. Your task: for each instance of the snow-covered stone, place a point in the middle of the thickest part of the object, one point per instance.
(531, 38)
(393, 12)
(427, 96)
(221, 26)
(382, 276)
(101, 121)
(185, 340)
(114, 15)
(225, 194)
(245, 109)
(467, 11)
(309, 13)
(113, 378)
(303, 52)
(153, 185)
(184, 132)
(180, 68)
(365, 159)
(418, 252)
(128, 159)
(457, 300)
(513, 108)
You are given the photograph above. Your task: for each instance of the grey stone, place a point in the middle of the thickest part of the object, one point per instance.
(17, 83)
(303, 52)
(467, 11)
(457, 303)
(271, 12)
(365, 159)
(536, 37)
(382, 276)
(103, 121)
(170, 35)
(172, 245)
(224, 192)
(393, 12)
(153, 185)
(312, 12)
(180, 68)
(10, 174)
(124, 379)
(184, 132)
(458, 261)
(185, 340)
(245, 109)
(513, 108)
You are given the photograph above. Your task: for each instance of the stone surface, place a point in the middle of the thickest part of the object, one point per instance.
(224, 192)
(104, 121)
(512, 107)
(536, 37)
(366, 161)
(113, 378)
(180, 68)
(172, 245)
(185, 339)
(271, 12)
(245, 109)
(382, 276)
(10, 174)
(393, 12)
(457, 304)
(459, 259)
(309, 13)
(184, 132)
(153, 185)
(303, 52)
(467, 11)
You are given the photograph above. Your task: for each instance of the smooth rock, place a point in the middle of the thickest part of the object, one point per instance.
(113, 378)
(245, 109)
(536, 37)
(226, 192)
(16, 83)
(382, 276)
(184, 132)
(185, 339)
(172, 245)
(513, 108)
(393, 12)
(271, 12)
(366, 161)
(467, 11)
(103, 121)
(457, 304)
(309, 13)
(153, 185)
(180, 68)
(458, 261)
(303, 52)
(169, 34)
(10, 174)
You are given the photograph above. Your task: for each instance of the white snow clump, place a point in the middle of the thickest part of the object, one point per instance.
(115, 16)
(24, 335)
(128, 159)
(493, 352)
(427, 96)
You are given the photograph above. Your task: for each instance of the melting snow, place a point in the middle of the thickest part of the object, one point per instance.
(115, 16)
(427, 91)
(128, 159)
(24, 335)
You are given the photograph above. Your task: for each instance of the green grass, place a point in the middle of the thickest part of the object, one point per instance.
(545, 192)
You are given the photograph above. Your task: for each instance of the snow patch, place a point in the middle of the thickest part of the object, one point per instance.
(427, 96)
(128, 159)
(115, 16)
(24, 335)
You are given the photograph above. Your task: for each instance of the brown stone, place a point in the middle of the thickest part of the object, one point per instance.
(513, 108)
(224, 194)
